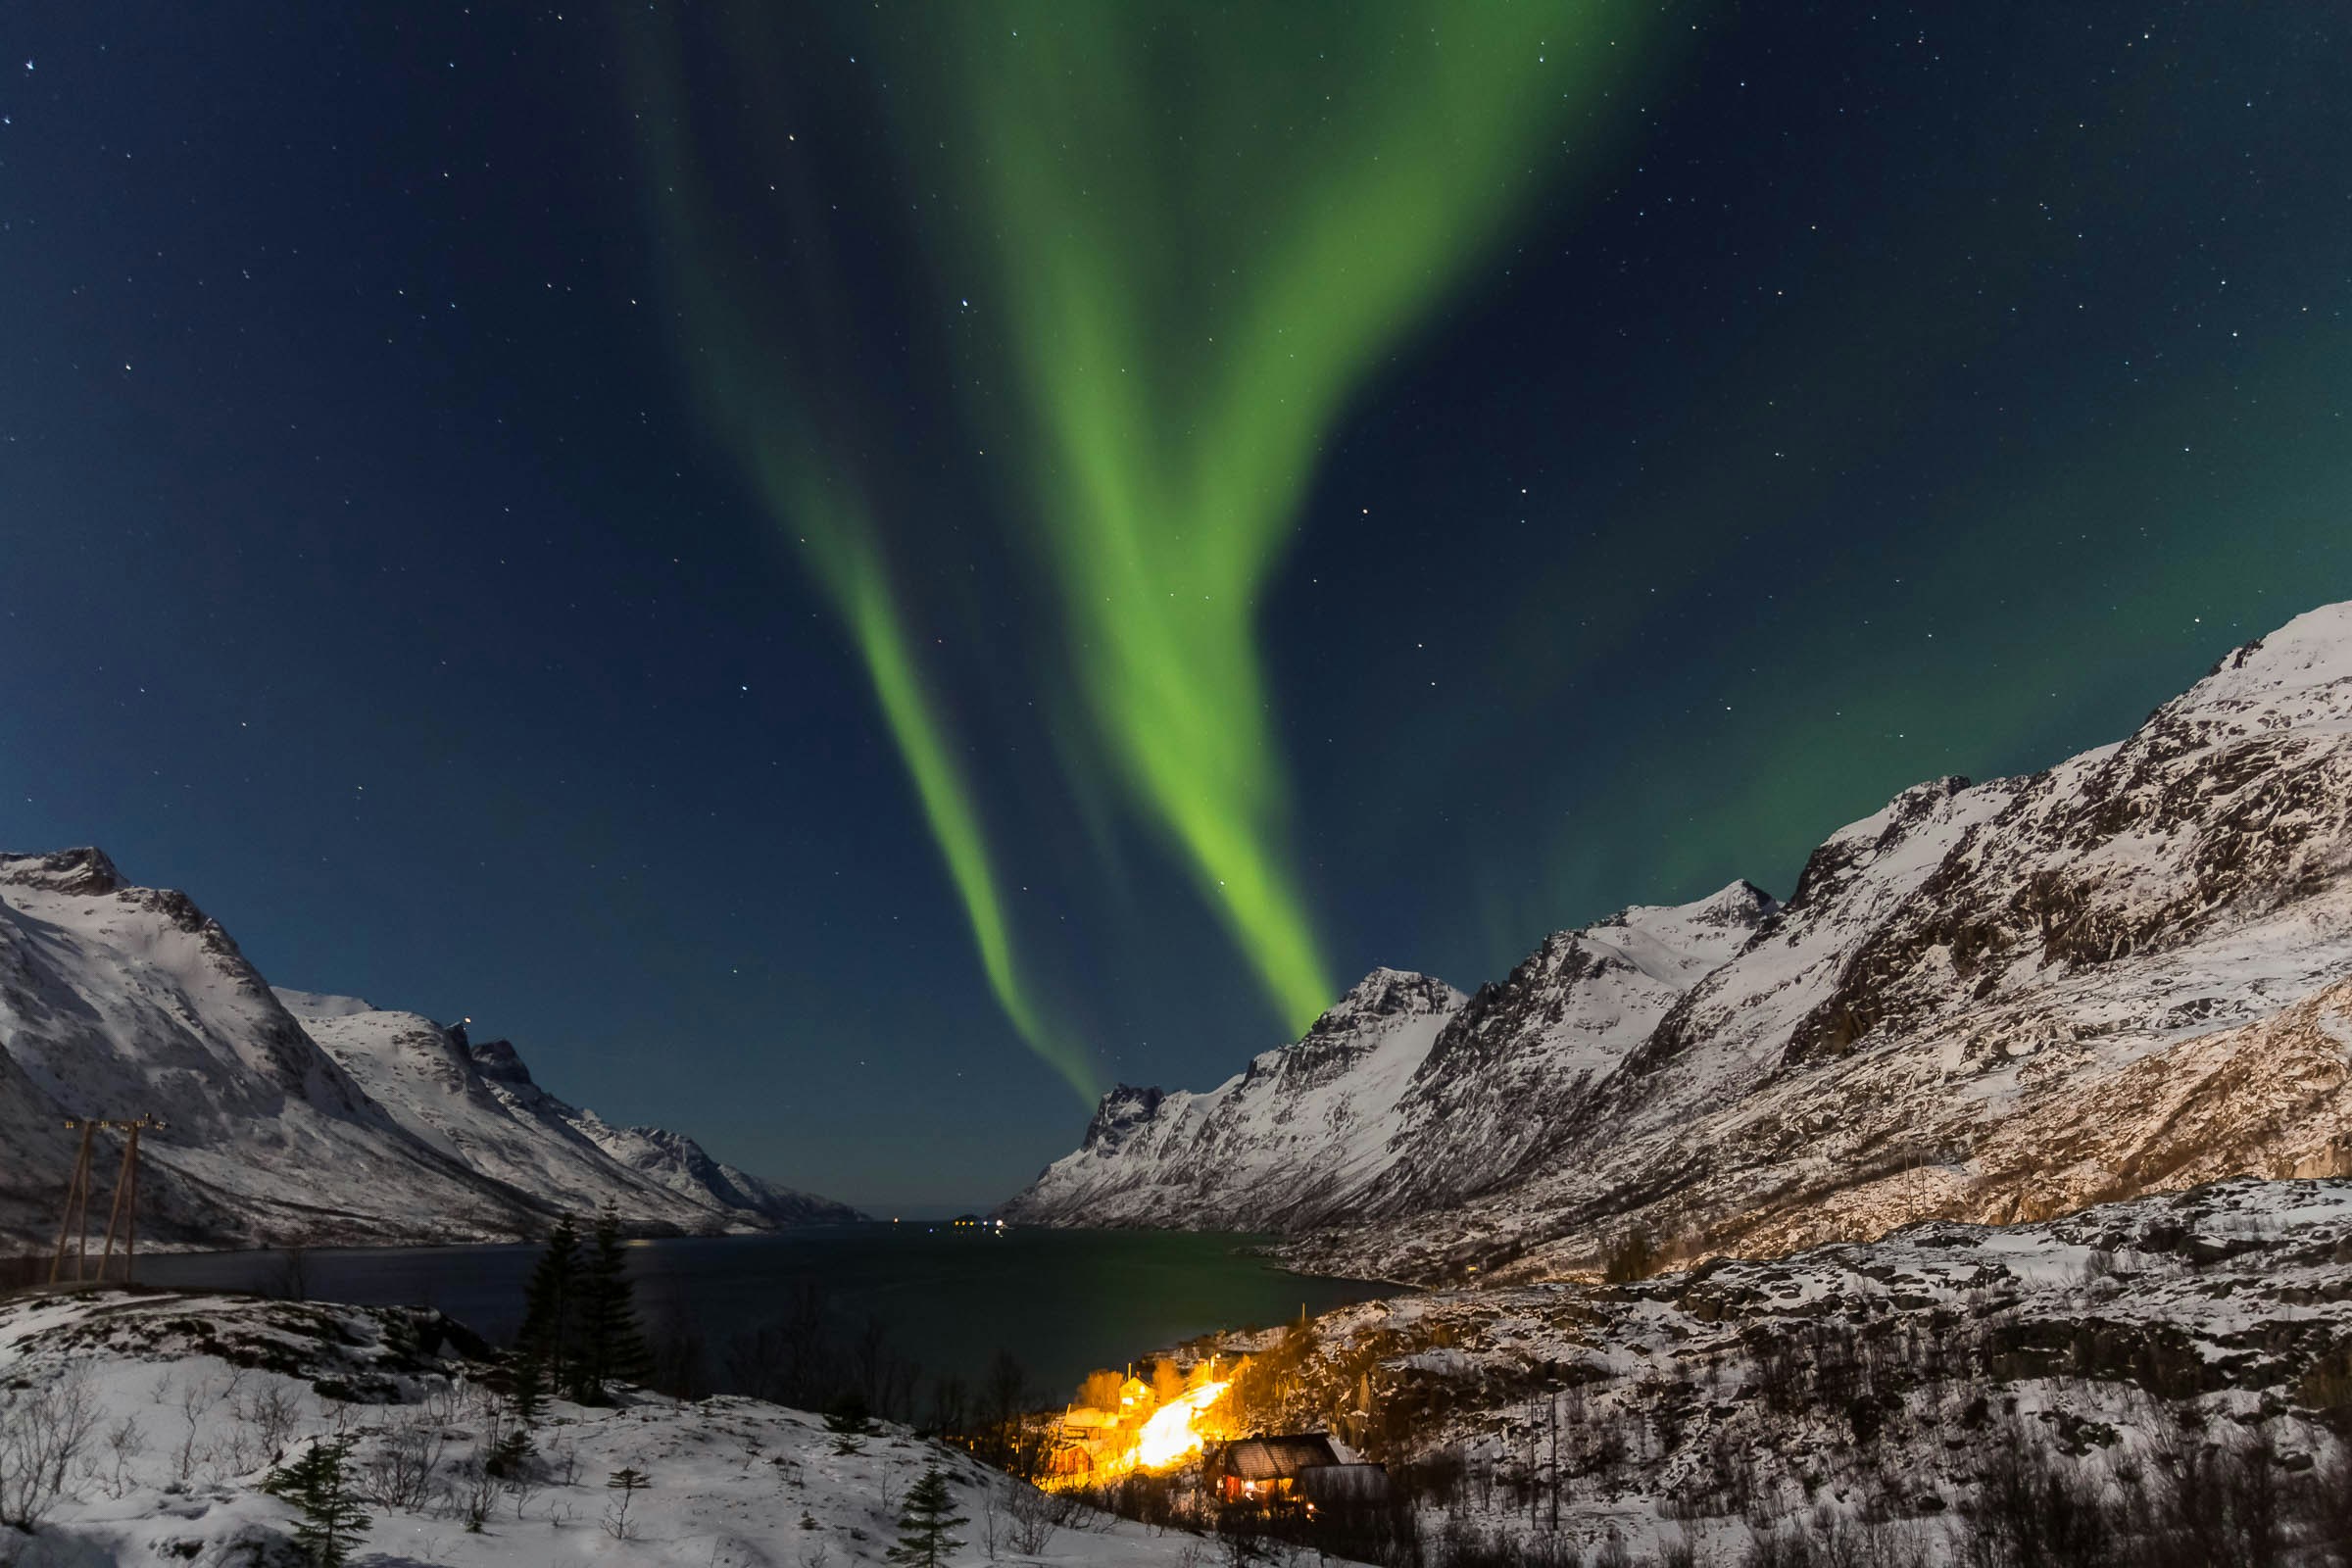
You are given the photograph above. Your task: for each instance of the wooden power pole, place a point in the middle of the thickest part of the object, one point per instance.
(123, 1216)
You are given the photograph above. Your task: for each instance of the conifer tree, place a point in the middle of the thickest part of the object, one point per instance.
(530, 1383)
(332, 1513)
(924, 1523)
(612, 1345)
(551, 1312)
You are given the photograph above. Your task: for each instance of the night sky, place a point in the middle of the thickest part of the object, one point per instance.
(849, 575)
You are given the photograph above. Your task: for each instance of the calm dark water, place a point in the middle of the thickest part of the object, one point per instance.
(1062, 1301)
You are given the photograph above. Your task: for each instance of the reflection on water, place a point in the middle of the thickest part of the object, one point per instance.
(1062, 1301)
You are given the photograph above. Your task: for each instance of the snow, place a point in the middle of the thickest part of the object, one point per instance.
(1985, 1002)
(1340, 1122)
(202, 1386)
(292, 1116)
(1666, 1389)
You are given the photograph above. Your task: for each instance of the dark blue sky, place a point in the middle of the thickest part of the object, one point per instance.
(1885, 392)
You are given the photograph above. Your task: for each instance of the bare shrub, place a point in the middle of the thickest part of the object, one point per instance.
(472, 1494)
(42, 1432)
(522, 1485)
(275, 1414)
(399, 1469)
(1032, 1518)
(125, 1444)
(196, 1396)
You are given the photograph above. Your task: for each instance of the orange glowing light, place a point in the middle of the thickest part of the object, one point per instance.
(1170, 1436)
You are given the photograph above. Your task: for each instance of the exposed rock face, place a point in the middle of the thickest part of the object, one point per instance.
(1983, 1002)
(291, 1117)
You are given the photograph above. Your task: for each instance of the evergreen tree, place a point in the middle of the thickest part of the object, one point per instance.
(332, 1513)
(530, 1383)
(551, 1312)
(847, 1419)
(924, 1523)
(612, 1345)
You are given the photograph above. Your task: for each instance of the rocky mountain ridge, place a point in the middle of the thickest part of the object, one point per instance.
(293, 1116)
(1987, 1003)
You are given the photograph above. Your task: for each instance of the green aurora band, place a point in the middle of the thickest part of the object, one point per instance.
(782, 430)
(1210, 225)
(1200, 230)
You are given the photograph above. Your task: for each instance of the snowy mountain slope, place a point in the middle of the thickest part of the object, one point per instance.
(479, 1104)
(1872, 1390)
(1524, 1054)
(1287, 1141)
(1403, 1095)
(118, 1000)
(1981, 1002)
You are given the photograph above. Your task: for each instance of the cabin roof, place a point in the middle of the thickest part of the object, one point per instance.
(1272, 1459)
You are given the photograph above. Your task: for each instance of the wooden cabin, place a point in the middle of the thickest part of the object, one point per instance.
(1298, 1470)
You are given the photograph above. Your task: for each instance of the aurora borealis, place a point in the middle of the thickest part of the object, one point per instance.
(910, 563)
(1188, 303)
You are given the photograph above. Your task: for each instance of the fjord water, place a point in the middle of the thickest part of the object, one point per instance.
(1062, 1301)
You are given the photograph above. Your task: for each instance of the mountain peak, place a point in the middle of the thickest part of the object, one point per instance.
(1121, 1110)
(86, 869)
(2309, 655)
(499, 1061)
(1387, 993)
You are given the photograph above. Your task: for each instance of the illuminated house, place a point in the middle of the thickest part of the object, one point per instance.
(1300, 1470)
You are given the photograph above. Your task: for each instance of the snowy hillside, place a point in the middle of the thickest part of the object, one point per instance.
(289, 1116)
(186, 1403)
(1989, 1001)
(2164, 1368)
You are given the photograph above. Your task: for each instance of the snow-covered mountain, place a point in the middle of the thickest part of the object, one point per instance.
(2131, 972)
(1363, 1113)
(292, 1117)
(480, 1104)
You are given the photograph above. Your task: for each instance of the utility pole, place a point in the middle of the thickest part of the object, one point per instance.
(123, 1216)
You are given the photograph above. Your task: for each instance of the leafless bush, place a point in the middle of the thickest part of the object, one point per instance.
(398, 1471)
(625, 1485)
(522, 1486)
(42, 1431)
(125, 1444)
(196, 1396)
(472, 1494)
(236, 1448)
(1032, 1518)
(444, 1403)
(274, 1413)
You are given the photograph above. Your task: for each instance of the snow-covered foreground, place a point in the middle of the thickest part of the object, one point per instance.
(183, 1402)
